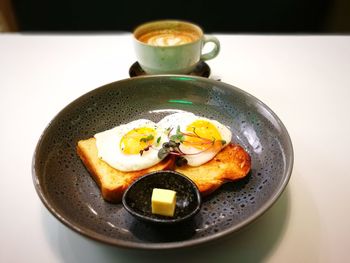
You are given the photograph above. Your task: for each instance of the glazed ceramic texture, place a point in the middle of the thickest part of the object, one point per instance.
(69, 192)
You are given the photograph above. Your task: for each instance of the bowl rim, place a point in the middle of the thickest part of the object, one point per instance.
(169, 220)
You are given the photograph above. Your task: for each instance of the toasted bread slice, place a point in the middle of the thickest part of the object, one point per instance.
(112, 182)
(230, 164)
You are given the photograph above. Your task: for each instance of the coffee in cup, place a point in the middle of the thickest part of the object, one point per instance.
(168, 37)
(171, 46)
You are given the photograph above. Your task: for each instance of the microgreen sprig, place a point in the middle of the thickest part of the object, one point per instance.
(173, 146)
(147, 139)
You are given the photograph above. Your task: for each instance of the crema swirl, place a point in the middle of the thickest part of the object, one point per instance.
(168, 37)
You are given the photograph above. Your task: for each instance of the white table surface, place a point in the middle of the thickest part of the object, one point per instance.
(304, 79)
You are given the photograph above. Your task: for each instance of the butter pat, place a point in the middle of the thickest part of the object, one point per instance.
(163, 202)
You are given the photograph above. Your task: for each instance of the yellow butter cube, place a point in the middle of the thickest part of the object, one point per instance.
(163, 202)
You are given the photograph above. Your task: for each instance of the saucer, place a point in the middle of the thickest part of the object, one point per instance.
(201, 70)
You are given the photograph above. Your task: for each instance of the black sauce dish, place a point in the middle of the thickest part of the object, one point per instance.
(137, 198)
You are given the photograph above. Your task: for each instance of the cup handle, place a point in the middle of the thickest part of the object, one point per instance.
(215, 51)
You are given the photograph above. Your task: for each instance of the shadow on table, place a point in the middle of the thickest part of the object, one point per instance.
(297, 223)
(253, 243)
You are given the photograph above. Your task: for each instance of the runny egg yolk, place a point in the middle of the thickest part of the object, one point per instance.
(136, 140)
(202, 134)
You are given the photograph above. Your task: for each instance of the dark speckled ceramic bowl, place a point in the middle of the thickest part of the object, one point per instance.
(68, 191)
(137, 198)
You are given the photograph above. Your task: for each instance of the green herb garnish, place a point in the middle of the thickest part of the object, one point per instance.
(173, 145)
(147, 139)
(178, 137)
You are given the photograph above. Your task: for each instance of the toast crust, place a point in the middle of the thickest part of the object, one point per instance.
(112, 182)
(230, 164)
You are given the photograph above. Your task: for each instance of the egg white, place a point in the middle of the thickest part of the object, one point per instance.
(194, 156)
(108, 147)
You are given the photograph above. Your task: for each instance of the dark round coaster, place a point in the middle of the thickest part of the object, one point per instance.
(201, 70)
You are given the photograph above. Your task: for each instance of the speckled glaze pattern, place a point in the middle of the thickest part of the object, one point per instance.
(202, 69)
(68, 191)
(137, 198)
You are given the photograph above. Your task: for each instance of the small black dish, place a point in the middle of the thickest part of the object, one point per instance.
(201, 70)
(137, 198)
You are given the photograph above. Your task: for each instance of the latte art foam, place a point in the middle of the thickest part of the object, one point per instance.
(168, 38)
